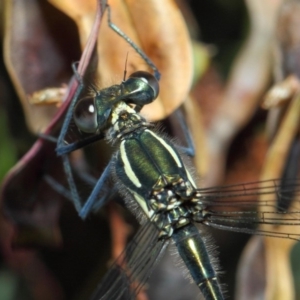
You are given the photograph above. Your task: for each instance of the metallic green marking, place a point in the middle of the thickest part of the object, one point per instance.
(127, 167)
(168, 147)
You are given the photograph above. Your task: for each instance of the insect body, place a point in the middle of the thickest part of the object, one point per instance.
(155, 182)
(150, 170)
(153, 178)
(153, 172)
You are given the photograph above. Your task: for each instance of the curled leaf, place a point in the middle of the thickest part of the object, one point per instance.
(155, 36)
(248, 80)
(276, 252)
(281, 92)
(34, 57)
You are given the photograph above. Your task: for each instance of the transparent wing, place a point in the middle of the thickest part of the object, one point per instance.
(131, 270)
(243, 207)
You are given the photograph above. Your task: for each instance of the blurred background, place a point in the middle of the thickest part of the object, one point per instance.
(223, 58)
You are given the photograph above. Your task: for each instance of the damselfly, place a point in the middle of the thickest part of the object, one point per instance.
(150, 173)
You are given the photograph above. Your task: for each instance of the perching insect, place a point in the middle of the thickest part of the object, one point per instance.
(151, 175)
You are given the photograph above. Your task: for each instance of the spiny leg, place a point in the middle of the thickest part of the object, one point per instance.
(93, 200)
(71, 182)
(60, 143)
(132, 44)
(59, 188)
(190, 149)
(62, 148)
(92, 203)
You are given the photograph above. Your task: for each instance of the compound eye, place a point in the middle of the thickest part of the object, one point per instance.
(85, 115)
(148, 78)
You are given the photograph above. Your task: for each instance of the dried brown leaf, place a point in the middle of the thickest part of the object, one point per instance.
(248, 79)
(28, 200)
(251, 277)
(48, 96)
(196, 126)
(276, 252)
(286, 56)
(33, 57)
(288, 40)
(83, 14)
(155, 36)
(281, 92)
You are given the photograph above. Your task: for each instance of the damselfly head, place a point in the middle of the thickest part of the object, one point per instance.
(92, 113)
(140, 88)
